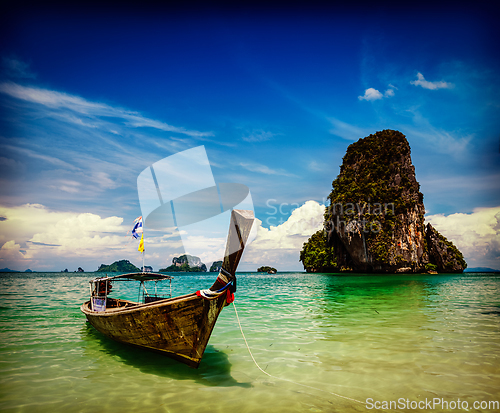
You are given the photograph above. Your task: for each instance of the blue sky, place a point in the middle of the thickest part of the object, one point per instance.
(90, 98)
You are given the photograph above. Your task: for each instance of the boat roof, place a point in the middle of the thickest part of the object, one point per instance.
(137, 276)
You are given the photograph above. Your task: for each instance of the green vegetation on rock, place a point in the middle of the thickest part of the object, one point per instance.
(317, 255)
(375, 220)
(269, 270)
(216, 266)
(181, 264)
(182, 268)
(430, 267)
(119, 266)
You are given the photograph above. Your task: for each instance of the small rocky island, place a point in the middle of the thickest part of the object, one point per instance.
(216, 266)
(181, 264)
(119, 266)
(375, 220)
(268, 269)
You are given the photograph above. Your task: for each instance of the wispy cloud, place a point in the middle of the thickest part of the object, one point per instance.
(93, 110)
(348, 131)
(440, 140)
(263, 169)
(441, 84)
(258, 136)
(47, 158)
(139, 121)
(470, 184)
(316, 166)
(389, 93)
(16, 68)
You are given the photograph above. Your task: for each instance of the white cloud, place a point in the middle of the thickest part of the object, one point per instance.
(374, 94)
(10, 252)
(389, 93)
(371, 94)
(36, 237)
(431, 85)
(33, 236)
(476, 235)
(279, 246)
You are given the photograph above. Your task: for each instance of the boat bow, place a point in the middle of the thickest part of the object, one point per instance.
(179, 327)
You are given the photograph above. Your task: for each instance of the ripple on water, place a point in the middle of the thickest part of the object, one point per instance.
(382, 337)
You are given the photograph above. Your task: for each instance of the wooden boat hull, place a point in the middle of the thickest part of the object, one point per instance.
(178, 327)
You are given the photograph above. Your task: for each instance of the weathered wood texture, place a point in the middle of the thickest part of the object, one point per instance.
(179, 327)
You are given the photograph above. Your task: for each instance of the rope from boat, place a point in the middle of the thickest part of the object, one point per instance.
(280, 378)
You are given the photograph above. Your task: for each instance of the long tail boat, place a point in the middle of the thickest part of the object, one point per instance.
(178, 327)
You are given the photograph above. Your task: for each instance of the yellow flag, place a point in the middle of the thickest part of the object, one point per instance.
(141, 244)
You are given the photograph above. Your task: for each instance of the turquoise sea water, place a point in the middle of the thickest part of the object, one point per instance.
(382, 338)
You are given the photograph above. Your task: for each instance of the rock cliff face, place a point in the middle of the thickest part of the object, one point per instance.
(182, 264)
(375, 220)
(442, 253)
(216, 266)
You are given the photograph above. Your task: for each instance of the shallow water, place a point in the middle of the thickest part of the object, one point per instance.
(384, 338)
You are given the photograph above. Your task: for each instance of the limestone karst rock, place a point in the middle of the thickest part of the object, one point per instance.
(375, 220)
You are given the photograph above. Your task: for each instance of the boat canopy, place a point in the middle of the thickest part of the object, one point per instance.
(137, 276)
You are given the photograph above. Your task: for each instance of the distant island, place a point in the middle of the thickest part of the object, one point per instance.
(119, 266)
(269, 270)
(216, 266)
(375, 220)
(9, 270)
(181, 264)
(481, 269)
